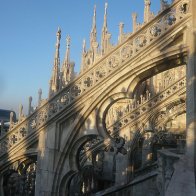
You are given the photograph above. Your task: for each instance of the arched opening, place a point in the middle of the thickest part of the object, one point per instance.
(19, 178)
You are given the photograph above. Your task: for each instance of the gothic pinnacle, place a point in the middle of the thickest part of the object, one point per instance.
(121, 26)
(39, 96)
(20, 112)
(30, 105)
(147, 13)
(67, 55)
(105, 38)
(93, 35)
(105, 16)
(58, 36)
(54, 82)
(94, 18)
(66, 64)
(134, 19)
(84, 46)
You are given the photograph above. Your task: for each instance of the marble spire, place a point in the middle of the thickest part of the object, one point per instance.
(93, 35)
(66, 63)
(147, 13)
(105, 38)
(54, 82)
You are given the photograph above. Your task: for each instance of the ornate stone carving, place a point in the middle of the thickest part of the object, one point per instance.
(141, 108)
(21, 180)
(140, 40)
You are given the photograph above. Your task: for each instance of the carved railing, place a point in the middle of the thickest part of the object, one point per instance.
(102, 69)
(148, 105)
(133, 116)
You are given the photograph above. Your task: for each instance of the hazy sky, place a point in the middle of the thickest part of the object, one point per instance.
(28, 34)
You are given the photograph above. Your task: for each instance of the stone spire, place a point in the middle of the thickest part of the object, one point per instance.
(147, 13)
(21, 115)
(134, 19)
(30, 105)
(121, 33)
(105, 18)
(54, 82)
(93, 35)
(66, 63)
(39, 96)
(164, 5)
(84, 47)
(83, 55)
(67, 72)
(105, 35)
(11, 120)
(93, 39)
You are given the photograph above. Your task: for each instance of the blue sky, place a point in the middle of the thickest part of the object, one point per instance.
(28, 35)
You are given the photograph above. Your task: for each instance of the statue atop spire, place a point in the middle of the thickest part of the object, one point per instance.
(134, 19)
(105, 39)
(105, 16)
(54, 82)
(93, 36)
(67, 55)
(93, 39)
(84, 46)
(83, 55)
(67, 71)
(148, 15)
(121, 33)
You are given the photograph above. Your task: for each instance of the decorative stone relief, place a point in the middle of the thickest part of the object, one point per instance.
(131, 113)
(21, 180)
(126, 50)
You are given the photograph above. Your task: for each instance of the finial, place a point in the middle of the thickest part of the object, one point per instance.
(147, 13)
(30, 105)
(105, 38)
(66, 64)
(94, 10)
(59, 32)
(93, 34)
(105, 16)
(147, 2)
(58, 36)
(54, 82)
(134, 19)
(134, 15)
(39, 96)
(94, 18)
(67, 54)
(106, 6)
(11, 119)
(84, 46)
(68, 39)
(20, 112)
(121, 26)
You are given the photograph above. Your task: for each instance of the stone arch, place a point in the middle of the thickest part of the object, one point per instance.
(157, 66)
(64, 184)
(140, 132)
(101, 114)
(19, 176)
(74, 151)
(167, 115)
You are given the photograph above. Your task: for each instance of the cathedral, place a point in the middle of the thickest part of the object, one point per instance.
(124, 126)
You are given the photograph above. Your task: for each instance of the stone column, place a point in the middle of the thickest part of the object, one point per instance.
(183, 179)
(191, 89)
(45, 161)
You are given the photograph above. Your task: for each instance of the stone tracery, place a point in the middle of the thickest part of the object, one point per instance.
(136, 127)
